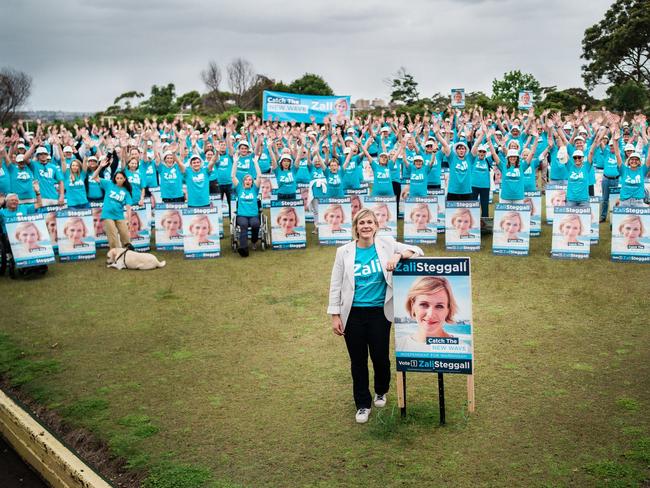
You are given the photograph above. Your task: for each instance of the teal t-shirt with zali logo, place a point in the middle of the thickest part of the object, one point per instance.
(369, 282)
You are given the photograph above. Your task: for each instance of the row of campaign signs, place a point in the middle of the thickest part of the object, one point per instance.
(76, 234)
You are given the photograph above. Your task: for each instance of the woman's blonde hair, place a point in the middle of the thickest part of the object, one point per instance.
(361, 214)
(570, 218)
(335, 207)
(26, 225)
(628, 220)
(421, 207)
(168, 214)
(512, 216)
(428, 285)
(198, 218)
(459, 213)
(72, 221)
(285, 211)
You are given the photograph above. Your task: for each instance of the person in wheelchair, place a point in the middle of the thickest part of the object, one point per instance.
(248, 211)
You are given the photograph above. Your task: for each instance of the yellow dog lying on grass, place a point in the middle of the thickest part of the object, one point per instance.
(120, 258)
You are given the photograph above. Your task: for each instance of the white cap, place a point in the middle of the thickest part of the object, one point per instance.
(286, 156)
(513, 152)
(582, 130)
(417, 156)
(579, 138)
(350, 130)
(21, 146)
(461, 143)
(483, 147)
(383, 154)
(346, 150)
(67, 149)
(92, 157)
(629, 147)
(167, 153)
(515, 127)
(195, 156)
(348, 139)
(164, 136)
(20, 158)
(385, 129)
(41, 150)
(244, 143)
(498, 132)
(430, 142)
(634, 155)
(578, 152)
(568, 126)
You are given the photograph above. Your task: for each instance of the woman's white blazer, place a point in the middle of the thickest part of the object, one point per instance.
(342, 282)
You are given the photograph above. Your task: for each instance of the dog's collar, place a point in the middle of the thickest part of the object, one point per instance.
(123, 255)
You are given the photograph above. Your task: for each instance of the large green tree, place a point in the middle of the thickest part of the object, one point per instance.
(161, 100)
(311, 84)
(617, 49)
(568, 100)
(627, 96)
(403, 86)
(508, 88)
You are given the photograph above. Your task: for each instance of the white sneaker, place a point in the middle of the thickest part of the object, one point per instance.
(362, 415)
(380, 400)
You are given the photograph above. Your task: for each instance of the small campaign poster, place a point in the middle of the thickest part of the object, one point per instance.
(385, 209)
(201, 232)
(76, 235)
(534, 200)
(356, 197)
(169, 226)
(288, 224)
(334, 221)
(268, 187)
(630, 234)
(29, 240)
(457, 98)
(140, 227)
(442, 198)
(511, 234)
(421, 220)
(433, 315)
(50, 212)
(217, 203)
(594, 204)
(571, 233)
(463, 226)
(101, 241)
(525, 99)
(555, 197)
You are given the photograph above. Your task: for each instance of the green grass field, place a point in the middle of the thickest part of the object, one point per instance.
(225, 373)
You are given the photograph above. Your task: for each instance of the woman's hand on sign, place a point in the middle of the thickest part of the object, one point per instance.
(337, 325)
(392, 262)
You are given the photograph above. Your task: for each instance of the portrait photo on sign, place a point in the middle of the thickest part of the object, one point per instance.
(169, 227)
(511, 229)
(462, 226)
(571, 232)
(288, 224)
(631, 234)
(421, 220)
(433, 319)
(29, 240)
(385, 209)
(76, 235)
(335, 220)
(201, 232)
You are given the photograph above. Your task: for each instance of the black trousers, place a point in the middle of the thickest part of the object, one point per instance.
(367, 330)
(397, 190)
(459, 197)
(482, 195)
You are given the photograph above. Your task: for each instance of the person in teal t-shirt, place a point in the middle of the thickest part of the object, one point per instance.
(117, 201)
(248, 213)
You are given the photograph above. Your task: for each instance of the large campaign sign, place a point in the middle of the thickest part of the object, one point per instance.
(433, 315)
(293, 107)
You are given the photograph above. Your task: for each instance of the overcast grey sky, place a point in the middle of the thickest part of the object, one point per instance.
(82, 54)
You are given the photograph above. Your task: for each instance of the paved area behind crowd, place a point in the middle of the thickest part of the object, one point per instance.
(14, 472)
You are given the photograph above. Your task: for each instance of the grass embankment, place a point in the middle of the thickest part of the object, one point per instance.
(225, 373)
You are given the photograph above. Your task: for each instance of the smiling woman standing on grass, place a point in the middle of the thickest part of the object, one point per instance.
(361, 305)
